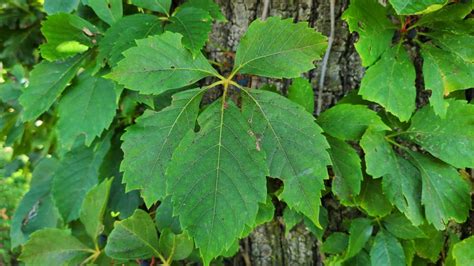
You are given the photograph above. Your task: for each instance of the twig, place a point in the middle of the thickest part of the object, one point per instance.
(324, 65)
(266, 4)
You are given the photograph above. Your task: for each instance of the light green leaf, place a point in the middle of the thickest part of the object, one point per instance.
(359, 232)
(369, 19)
(347, 170)
(149, 144)
(450, 139)
(445, 72)
(397, 95)
(56, 6)
(194, 24)
(335, 243)
(296, 150)
(161, 6)
(47, 82)
(401, 180)
(53, 246)
(278, 48)
(463, 252)
(301, 92)
(452, 12)
(178, 246)
(291, 219)
(398, 225)
(93, 209)
(459, 47)
(86, 109)
(36, 209)
(79, 166)
(349, 122)
(108, 10)
(216, 179)
(406, 7)
(150, 69)
(122, 35)
(372, 199)
(61, 30)
(445, 194)
(208, 5)
(387, 251)
(133, 238)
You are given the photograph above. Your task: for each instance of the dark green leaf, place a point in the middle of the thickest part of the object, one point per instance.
(208, 5)
(404, 7)
(335, 243)
(372, 200)
(161, 6)
(387, 251)
(56, 6)
(301, 92)
(108, 10)
(398, 225)
(359, 232)
(178, 246)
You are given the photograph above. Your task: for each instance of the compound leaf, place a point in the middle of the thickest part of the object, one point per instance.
(93, 208)
(52, 246)
(278, 48)
(133, 238)
(86, 109)
(445, 194)
(296, 150)
(217, 179)
(149, 144)
(386, 250)
(122, 35)
(349, 122)
(47, 82)
(369, 19)
(404, 7)
(66, 35)
(450, 139)
(150, 69)
(194, 24)
(397, 95)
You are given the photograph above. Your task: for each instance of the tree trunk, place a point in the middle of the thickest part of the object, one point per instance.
(268, 244)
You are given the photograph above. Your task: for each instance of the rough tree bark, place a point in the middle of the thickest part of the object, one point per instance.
(268, 244)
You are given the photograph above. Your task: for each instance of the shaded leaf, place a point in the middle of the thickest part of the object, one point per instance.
(404, 7)
(108, 10)
(57, 6)
(386, 251)
(359, 232)
(398, 225)
(372, 200)
(161, 6)
(179, 246)
(301, 92)
(208, 5)
(335, 243)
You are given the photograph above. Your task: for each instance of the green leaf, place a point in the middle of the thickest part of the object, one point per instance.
(301, 92)
(133, 238)
(47, 82)
(404, 7)
(216, 179)
(361, 259)
(386, 251)
(122, 35)
(452, 12)
(450, 139)
(86, 109)
(278, 48)
(398, 225)
(150, 69)
(335, 243)
(349, 122)
(359, 232)
(108, 10)
(194, 24)
(93, 208)
(79, 166)
(401, 180)
(36, 209)
(369, 19)
(445, 72)
(291, 219)
(149, 144)
(208, 5)
(396, 95)
(445, 194)
(53, 246)
(430, 248)
(296, 150)
(160, 6)
(178, 246)
(165, 219)
(372, 200)
(347, 170)
(66, 35)
(56, 6)
(463, 252)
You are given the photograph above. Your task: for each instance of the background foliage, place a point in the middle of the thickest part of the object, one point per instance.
(137, 149)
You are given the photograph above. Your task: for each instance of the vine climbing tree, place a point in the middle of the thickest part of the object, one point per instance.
(146, 146)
